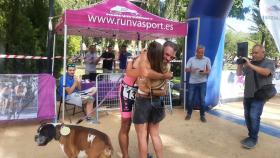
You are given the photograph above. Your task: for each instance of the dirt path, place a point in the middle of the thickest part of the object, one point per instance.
(217, 138)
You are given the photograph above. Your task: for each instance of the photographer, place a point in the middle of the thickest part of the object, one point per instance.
(258, 72)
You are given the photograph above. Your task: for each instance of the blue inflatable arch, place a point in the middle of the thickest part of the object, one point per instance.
(206, 19)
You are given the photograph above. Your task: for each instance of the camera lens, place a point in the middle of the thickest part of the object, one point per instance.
(240, 61)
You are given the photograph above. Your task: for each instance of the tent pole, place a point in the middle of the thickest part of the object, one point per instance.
(64, 71)
(64, 67)
(53, 54)
(139, 45)
(184, 73)
(185, 55)
(55, 104)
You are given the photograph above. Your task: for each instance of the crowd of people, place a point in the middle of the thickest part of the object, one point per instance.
(140, 90)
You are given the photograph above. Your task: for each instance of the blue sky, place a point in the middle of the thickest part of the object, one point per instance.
(242, 25)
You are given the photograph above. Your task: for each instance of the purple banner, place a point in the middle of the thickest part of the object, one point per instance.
(46, 96)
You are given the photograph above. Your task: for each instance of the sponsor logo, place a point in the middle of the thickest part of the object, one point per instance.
(273, 8)
(120, 10)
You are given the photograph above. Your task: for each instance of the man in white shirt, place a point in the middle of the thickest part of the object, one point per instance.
(199, 68)
(91, 60)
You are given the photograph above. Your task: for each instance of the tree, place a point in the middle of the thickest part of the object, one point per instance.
(237, 10)
(23, 33)
(262, 35)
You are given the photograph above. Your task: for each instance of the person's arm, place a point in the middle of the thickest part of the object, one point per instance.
(239, 70)
(146, 71)
(260, 70)
(129, 69)
(78, 84)
(189, 67)
(96, 60)
(114, 61)
(16, 90)
(24, 91)
(70, 89)
(86, 59)
(207, 69)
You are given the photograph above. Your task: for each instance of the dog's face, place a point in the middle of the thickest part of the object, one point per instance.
(45, 133)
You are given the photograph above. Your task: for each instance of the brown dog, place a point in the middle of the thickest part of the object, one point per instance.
(76, 141)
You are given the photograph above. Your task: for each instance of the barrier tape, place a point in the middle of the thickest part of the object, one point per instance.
(7, 56)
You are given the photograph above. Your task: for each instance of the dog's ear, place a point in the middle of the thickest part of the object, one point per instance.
(42, 123)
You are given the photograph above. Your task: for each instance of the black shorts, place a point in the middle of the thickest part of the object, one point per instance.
(150, 110)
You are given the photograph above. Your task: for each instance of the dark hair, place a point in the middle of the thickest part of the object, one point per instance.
(170, 44)
(155, 56)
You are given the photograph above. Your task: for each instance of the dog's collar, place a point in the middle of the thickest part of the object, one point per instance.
(57, 132)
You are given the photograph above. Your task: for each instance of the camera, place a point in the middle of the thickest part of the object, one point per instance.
(242, 51)
(240, 60)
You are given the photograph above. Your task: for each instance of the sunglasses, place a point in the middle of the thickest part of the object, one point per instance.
(71, 65)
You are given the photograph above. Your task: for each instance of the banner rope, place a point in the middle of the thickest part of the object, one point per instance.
(8, 56)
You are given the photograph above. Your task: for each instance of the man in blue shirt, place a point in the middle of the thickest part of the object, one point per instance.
(199, 68)
(73, 93)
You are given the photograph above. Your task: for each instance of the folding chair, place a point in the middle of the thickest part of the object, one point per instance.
(71, 108)
(67, 108)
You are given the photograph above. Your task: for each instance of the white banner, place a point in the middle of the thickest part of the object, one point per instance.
(270, 13)
(232, 86)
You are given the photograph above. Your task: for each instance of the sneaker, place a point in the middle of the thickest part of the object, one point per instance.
(203, 119)
(244, 140)
(188, 117)
(249, 144)
(149, 155)
(89, 119)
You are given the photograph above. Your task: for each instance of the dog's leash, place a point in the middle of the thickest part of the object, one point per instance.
(97, 106)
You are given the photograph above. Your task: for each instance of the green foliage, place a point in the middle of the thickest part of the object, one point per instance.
(237, 10)
(262, 35)
(24, 27)
(74, 45)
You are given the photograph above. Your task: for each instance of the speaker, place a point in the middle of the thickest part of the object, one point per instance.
(242, 49)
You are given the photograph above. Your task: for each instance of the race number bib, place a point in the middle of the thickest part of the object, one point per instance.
(129, 92)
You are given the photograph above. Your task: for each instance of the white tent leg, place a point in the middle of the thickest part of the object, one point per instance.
(184, 73)
(185, 55)
(64, 71)
(53, 54)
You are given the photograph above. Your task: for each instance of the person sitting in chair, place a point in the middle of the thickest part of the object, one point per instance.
(73, 93)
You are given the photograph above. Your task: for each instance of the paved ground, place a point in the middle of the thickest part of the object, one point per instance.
(218, 138)
(271, 111)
